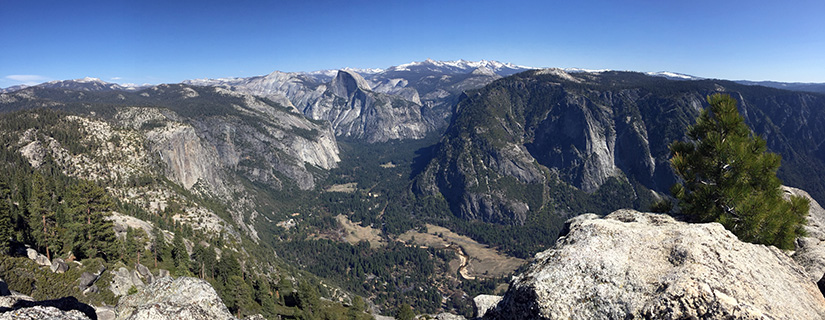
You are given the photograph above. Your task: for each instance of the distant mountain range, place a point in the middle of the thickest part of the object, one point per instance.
(297, 164)
(377, 76)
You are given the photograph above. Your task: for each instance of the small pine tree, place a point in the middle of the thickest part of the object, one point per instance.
(728, 176)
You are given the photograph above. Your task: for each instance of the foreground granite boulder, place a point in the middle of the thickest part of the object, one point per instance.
(18, 306)
(810, 250)
(180, 298)
(42, 313)
(642, 265)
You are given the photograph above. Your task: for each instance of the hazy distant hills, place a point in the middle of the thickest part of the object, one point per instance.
(795, 86)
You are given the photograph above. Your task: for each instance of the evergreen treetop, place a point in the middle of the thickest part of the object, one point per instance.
(728, 176)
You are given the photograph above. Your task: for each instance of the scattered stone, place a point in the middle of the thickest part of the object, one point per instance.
(59, 266)
(180, 298)
(649, 266)
(86, 280)
(37, 257)
(31, 253)
(105, 313)
(124, 280)
(163, 273)
(255, 317)
(100, 270)
(4, 288)
(484, 302)
(144, 273)
(449, 316)
(92, 289)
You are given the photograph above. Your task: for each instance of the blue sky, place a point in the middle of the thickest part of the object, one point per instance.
(170, 41)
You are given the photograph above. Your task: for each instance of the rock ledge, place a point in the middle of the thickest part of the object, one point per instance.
(642, 265)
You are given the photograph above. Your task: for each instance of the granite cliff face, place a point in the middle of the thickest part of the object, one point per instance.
(374, 105)
(631, 264)
(357, 112)
(207, 140)
(551, 138)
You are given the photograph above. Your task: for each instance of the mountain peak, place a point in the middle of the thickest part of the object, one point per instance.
(346, 82)
(460, 66)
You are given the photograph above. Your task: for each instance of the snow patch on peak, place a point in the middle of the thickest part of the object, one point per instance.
(459, 66)
(89, 79)
(484, 71)
(673, 75)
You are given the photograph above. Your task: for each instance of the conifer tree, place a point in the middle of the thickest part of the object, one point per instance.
(728, 176)
(180, 256)
(405, 312)
(91, 204)
(158, 245)
(6, 227)
(42, 222)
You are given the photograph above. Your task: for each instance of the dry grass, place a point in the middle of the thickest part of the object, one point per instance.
(484, 261)
(354, 233)
(346, 187)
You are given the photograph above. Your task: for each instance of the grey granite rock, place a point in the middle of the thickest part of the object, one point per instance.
(4, 288)
(59, 266)
(123, 280)
(484, 302)
(642, 265)
(167, 298)
(86, 280)
(42, 313)
(810, 250)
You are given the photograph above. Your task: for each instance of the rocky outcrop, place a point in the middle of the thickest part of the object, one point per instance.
(59, 266)
(810, 250)
(485, 302)
(4, 288)
(346, 83)
(167, 298)
(144, 273)
(42, 313)
(642, 265)
(124, 280)
(38, 257)
(449, 316)
(87, 280)
(187, 159)
(357, 112)
(24, 307)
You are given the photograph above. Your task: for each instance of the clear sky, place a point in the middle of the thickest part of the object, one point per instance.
(169, 41)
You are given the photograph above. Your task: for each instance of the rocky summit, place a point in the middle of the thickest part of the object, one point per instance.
(180, 298)
(631, 264)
